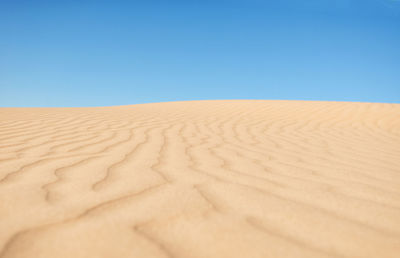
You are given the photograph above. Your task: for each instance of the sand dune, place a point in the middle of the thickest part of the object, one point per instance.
(201, 179)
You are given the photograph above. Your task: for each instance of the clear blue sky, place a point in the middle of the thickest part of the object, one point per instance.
(100, 53)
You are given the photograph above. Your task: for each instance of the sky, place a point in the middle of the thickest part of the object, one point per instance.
(102, 53)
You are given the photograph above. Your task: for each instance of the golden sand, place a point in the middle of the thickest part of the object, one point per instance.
(201, 179)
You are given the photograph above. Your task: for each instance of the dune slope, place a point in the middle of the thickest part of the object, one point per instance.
(201, 179)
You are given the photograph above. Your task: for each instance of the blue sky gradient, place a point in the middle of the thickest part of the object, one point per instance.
(101, 53)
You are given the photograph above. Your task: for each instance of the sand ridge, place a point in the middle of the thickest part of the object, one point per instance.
(230, 178)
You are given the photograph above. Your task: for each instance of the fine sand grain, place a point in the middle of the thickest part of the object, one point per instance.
(201, 179)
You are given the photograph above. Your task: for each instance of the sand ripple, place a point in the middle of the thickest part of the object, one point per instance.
(201, 179)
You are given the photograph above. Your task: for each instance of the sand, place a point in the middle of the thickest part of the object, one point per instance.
(241, 178)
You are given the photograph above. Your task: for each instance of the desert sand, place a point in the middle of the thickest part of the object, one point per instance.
(240, 178)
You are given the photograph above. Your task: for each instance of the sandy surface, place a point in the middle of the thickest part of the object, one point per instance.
(201, 179)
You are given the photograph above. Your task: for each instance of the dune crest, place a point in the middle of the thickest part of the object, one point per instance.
(239, 178)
